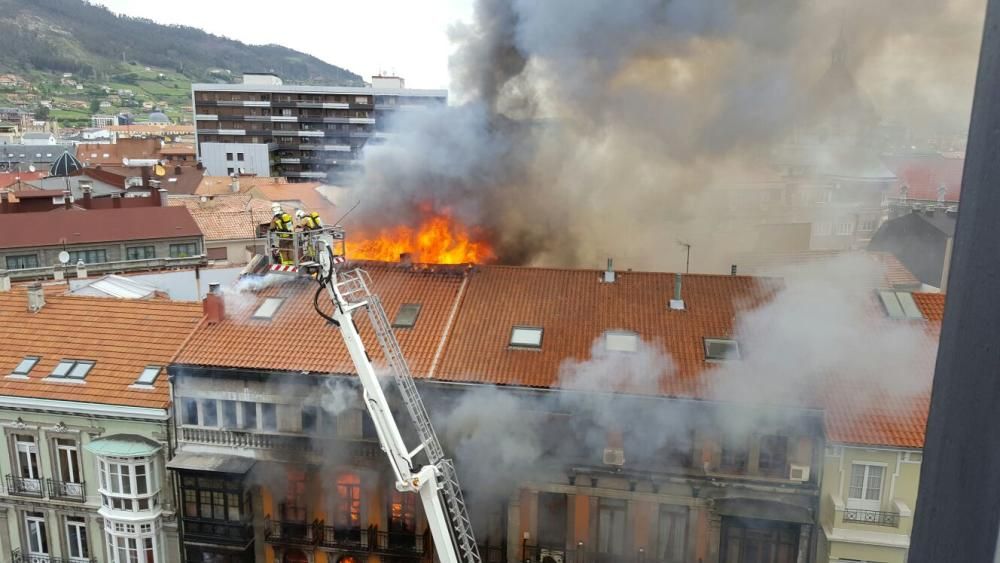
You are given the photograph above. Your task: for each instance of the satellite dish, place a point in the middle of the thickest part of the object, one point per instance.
(31, 168)
(159, 170)
(64, 257)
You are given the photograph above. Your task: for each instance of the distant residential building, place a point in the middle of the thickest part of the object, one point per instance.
(24, 158)
(9, 132)
(101, 120)
(871, 468)
(39, 138)
(178, 153)
(87, 404)
(113, 154)
(268, 128)
(111, 239)
(105, 104)
(920, 237)
(926, 177)
(231, 224)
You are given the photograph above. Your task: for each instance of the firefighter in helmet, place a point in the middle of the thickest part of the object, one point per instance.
(281, 225)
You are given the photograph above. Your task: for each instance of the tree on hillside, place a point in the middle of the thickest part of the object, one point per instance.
(42, 113)
(95, 105)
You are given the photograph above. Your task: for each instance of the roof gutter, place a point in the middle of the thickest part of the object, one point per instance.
(76, 407)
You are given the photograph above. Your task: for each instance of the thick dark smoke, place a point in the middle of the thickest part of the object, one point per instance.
(581, 121)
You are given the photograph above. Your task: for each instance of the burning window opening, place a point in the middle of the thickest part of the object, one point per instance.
(439, 239)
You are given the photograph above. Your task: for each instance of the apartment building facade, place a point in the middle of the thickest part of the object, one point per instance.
(277, 462)
(872, 464)
(266, 128)
(84, 407)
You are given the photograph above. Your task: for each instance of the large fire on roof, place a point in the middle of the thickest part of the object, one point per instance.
(438, 239)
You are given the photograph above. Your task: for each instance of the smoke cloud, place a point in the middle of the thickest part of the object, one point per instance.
(578, 122)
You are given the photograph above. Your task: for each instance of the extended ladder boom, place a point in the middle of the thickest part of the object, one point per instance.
(437, 483)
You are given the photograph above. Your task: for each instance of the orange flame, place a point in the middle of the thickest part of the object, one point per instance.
(438, 240)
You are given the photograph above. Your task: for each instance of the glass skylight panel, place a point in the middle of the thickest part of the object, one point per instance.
(80, 370)
(910, 308)
(148, 375)
(621, 341)
(62, 368)
(721, 349)
(26, 365)
(268, 308)
(407, 315)
(526, 337)
(891, 304)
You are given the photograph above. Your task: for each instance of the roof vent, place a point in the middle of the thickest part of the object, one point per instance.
(677, 303)
(609, 274)
(36, 297)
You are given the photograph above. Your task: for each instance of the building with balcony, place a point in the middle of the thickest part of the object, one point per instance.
(872, 463)
(277, 461)
(84, 407)
(267, 128)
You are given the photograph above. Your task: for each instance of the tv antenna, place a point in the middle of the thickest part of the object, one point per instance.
(687, 260)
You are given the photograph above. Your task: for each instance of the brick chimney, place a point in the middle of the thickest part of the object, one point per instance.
(88, 192)
(405, 259)
(116, 200)
(36, 297)
(214, 305)
(68, 199)
(162, 195)
(178, 170)
(5, 201)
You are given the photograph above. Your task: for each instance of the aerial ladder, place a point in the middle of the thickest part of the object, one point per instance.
(436, 480)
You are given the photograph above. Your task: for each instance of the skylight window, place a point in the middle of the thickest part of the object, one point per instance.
(72, 369)
(148, 375)
(526, 337)
(268, 308)
(899, 304)
(621, 341)
(721, 349)
(26, 365)
(407, 315)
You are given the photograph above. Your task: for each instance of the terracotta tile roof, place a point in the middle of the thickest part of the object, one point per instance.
(297, 339)
(123, 337)
(227, 217)
(306, 196)
(889, 419)
(10, 179)
(221, 185)
(574, 309)
(21, 230)
(923, 174)
(144, 129)
(178, 149)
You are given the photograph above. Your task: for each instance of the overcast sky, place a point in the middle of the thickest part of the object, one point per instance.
(364, 36)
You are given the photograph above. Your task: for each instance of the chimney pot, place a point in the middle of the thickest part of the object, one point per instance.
(57, 272)
(405, 259)
(81, 270)
(609, 274)
(4, 280)
(163, 196)
(677, 303)
(214, 306)
(36, 297)
(68, 199)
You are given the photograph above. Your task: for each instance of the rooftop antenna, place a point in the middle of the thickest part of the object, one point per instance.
(348, 212)
(687, 261)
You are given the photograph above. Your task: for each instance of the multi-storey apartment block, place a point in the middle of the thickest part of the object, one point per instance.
(84, 409)
(268, 128)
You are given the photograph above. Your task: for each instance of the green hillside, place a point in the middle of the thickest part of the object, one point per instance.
(45, 39)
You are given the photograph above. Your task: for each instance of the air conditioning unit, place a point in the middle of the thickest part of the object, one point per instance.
(550, 556)
(614, 456)
(798, 473)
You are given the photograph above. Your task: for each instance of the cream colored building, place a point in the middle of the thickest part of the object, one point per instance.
(871, 467)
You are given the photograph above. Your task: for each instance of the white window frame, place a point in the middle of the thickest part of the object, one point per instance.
(30, 449)
(35, 531)
(529, 337)
(68, 450)
(863, 503)
(128, 542)
(626, 341)
(132, 500)
(78, 550)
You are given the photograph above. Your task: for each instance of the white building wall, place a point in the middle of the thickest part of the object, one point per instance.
(215, 158)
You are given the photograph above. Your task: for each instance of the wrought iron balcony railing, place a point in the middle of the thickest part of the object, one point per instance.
(65, 490)
(17, 556)
(874, 517)
(24, 486)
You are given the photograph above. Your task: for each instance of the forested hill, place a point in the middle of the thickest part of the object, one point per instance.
(92, 42)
